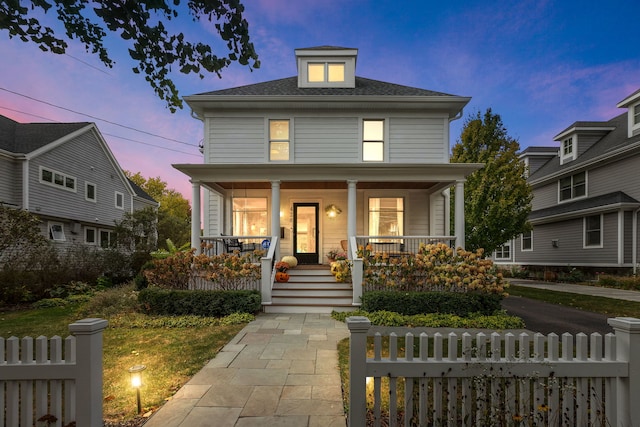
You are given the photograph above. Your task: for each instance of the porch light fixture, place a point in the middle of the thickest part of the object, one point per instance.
(136, 382)
(332, 210)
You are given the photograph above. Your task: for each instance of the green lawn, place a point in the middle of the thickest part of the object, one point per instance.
(172, 354)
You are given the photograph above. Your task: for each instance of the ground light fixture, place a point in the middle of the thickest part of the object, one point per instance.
(136, 382)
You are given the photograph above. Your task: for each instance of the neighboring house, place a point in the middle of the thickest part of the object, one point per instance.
(326, 155)
(586, 196)
(67, 175)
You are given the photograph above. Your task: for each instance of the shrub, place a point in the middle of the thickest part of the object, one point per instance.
(199, 303)
(411, 303)
(622, 282)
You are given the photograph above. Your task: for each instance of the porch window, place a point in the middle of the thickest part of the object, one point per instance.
(386, 216)
(373, 140)
(250, 216)
(504, 251)
(573, 186)
(279, 140)
(56, 232)
(593, 231)
(527, 241)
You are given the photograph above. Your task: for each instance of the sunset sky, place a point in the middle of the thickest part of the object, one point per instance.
(541, 65)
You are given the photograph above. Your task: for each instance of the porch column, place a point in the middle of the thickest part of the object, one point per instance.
(195, 217)
(459, 214)
(351, 212)
(275, 213)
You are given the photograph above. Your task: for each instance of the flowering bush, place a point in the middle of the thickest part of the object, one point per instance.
(341, 270)
(435, 267)
(282, 266)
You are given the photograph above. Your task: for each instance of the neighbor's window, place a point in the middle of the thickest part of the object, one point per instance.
(527, 241)
(593, 231)
(504, 251)
(119, 200)
(573, 186)
(636, 115)
(105, 238)
(57, 179)
(90, 192)
(56, 232)
(567, 146)
(279, 140)
(386, 216)
(373, 140)
(90, 236)
(250, 216)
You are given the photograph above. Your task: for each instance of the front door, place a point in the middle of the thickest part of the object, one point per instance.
(305, 232)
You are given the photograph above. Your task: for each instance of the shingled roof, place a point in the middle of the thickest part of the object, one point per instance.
(23, 138)
(615, 198)
(289, 87)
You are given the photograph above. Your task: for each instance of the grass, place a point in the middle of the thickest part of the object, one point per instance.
(608, 306)
(172, 353)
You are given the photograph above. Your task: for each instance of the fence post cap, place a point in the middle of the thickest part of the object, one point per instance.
(355, 323)
(88, 326)
(630, 324)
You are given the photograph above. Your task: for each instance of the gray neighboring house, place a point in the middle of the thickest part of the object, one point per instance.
(67, 175)
(586, 196)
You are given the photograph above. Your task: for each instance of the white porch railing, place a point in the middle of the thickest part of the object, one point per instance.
(65, 383)
(486, 380)
(391, 245)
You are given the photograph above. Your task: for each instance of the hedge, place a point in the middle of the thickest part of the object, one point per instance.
(200, 303)
(411, 303)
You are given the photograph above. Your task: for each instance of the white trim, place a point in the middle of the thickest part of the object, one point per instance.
(95, 235)
(620, 237)
(56, 235)
(86, 191)
(571, 155)
(584, 233)
(54, 173)
(522, 249)
(118, 193)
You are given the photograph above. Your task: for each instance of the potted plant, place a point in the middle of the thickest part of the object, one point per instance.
(281, 272)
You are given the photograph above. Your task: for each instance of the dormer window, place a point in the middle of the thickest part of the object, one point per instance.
(636, 115)
(632, 104)
(325, 72)
(568, 150)
(326, 67)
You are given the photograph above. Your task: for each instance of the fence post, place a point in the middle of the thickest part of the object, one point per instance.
(88, 333)
(358, 327)
(627, 331)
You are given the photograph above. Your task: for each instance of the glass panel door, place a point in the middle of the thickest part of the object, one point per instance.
(305, 232)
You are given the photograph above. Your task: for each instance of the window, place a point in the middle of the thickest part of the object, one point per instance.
(593, 231)
(279, 140)
(56, 232)
(386, 216)
(90, 236)
(504, 251)
(119, 200)
(373, 140)
(320, 72)
(105, 238)
(527, 241)
(636, 115)
(90, 191)
(57, 179)
(573, 186)
(567, 146)
(250, 216)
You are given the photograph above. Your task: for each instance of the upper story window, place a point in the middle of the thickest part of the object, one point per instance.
(119, 200)
(373, 140)
(90, 192)
(567, 153)
(572, 187)
(636, 115)
(320, 72)
(57, 179)
(279, 140)
(527, 241)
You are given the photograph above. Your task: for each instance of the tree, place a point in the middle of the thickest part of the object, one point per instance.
(142, 24)
(497, 197)
(174, 213)
(20, 236)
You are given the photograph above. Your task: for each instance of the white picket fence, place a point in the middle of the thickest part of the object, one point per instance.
(496, 379)
(62, 383)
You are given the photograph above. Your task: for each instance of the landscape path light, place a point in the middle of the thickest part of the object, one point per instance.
(136, 382)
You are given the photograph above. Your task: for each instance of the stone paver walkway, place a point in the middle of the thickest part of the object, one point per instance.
(281, 370)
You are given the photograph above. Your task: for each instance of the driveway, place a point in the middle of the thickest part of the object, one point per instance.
(545, 318)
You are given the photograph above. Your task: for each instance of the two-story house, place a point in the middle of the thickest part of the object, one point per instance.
(325, 156)
(586, 196)
(66, 174)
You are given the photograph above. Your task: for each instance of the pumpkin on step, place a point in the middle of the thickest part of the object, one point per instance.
(281, 277)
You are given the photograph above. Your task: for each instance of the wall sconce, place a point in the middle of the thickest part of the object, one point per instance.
(136, 382)
(555, 243)
(332, 211)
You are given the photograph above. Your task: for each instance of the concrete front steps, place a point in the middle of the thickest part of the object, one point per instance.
(310, 290)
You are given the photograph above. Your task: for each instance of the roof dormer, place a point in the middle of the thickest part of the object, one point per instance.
(579, 137)
(326, 66)
(632, 103)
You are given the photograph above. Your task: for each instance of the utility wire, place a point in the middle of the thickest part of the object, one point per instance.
(97, 118)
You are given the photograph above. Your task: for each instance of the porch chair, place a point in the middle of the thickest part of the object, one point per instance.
(231, 244)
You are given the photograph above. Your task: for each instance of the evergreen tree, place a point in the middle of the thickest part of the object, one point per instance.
(497, 197)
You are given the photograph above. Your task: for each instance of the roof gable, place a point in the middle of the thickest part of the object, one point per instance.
(24, 138)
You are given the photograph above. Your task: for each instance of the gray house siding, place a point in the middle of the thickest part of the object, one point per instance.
(10, 181)
(236, 140)
(91, 164)
(414, 140)
(622, 176)
(586, 141)
(545, 196)
(325, 140)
